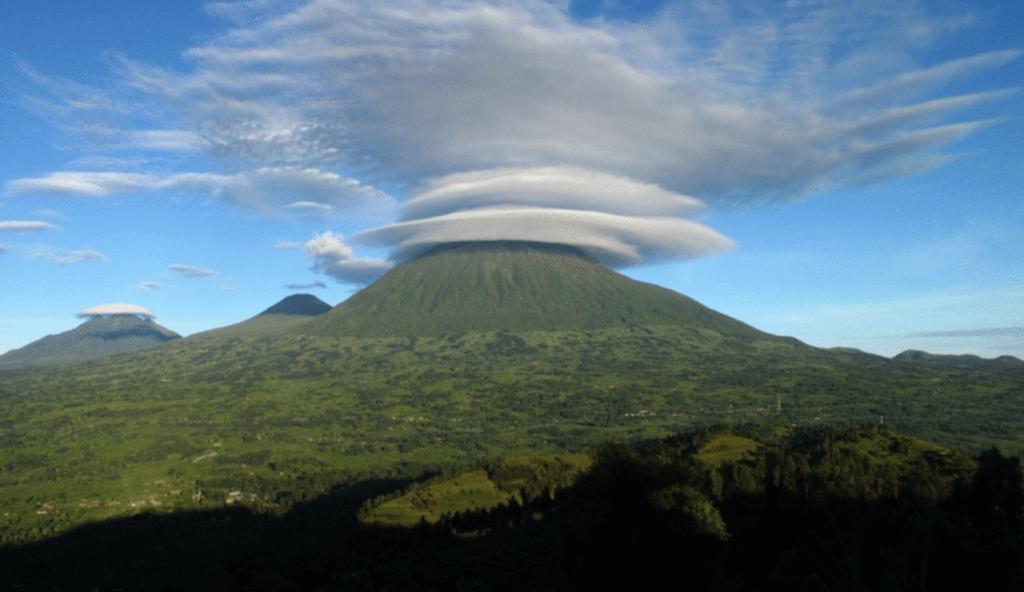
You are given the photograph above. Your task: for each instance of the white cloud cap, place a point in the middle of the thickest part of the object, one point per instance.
(116, 309)
(615, 240)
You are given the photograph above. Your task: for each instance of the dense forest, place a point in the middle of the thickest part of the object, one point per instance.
(718, 508)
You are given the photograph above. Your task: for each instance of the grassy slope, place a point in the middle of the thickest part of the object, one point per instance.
(503, 286)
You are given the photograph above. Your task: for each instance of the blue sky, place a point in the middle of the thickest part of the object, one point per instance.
(845, 173)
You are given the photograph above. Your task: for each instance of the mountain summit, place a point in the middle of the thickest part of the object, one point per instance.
(306, 305)
(98, 337)
(506, 285)
(291, 311)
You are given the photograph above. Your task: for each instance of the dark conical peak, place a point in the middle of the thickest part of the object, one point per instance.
(306, 305)
(511, 285)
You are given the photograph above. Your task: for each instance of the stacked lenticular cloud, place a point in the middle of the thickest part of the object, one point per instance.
(616, 220)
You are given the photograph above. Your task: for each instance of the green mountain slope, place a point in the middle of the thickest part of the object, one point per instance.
(96, 338)
(495, 286)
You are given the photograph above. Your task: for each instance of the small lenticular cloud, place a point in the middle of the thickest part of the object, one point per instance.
(24, 226)
(310, 206)
(317, 284)
(191, 271)
(108, 310)
(143, 286)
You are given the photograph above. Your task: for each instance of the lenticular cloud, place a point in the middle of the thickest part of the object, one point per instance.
(616, 220)
(554, 187)
(107, 310)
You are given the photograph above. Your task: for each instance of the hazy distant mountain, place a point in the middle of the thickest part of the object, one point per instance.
(306, 305)
(286, 314)
(95, 338)
(518, 286)
(962, 360)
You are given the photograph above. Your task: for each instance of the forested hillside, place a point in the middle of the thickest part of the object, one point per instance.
(863, 508)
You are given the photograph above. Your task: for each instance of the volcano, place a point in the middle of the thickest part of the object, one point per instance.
(303, 305)
(98, 337)
(287, 313)
(512, 286)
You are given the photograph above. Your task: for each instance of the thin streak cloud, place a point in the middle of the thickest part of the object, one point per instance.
(154, 286)
(1014, 332)
(191, 271)
(310, 286)
(25, 226)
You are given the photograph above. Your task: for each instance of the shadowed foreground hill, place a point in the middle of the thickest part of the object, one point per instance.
(96, 338)
(521, 286)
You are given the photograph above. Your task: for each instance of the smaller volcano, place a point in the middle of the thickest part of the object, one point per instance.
(111, 329)
(305, 305)
(277, 319)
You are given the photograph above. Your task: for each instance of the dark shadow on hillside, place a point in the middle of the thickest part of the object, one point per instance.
(620, 526)
(218, 549)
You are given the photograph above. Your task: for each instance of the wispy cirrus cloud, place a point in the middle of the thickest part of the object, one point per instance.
(265, 190)
(192, 271)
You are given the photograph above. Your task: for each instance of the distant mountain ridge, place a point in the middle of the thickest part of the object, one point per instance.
(306, 305)
(96, 338)
(511, 285)
(954, 360)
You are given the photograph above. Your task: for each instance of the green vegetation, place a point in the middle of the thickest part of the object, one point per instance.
(185, 424)
(502, 481)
